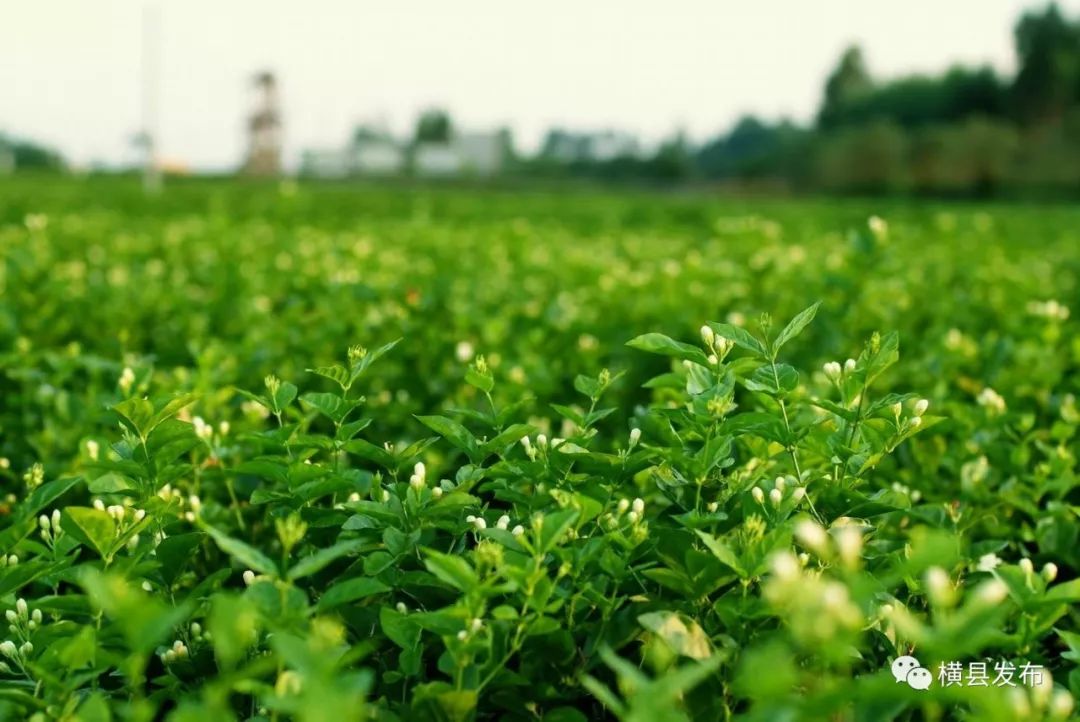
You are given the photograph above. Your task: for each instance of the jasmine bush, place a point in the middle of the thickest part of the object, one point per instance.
(724, 515)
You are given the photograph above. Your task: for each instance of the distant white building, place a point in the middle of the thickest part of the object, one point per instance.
(573, 147)
(481, 153)
(437, 160)
(466, 154)
(326, 163)
(377, 157)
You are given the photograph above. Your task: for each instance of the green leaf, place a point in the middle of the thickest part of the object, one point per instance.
(175, 552)
(880, 353)
(681, 633)
(330, 405)
(320, 559)
(739, 336)
(660, 344)
(45, 495)
(350, 590)
(371, 452)
(144, 620)
(247, 555)
(722, 552)
(453, 432)
(93, 527)
(284, 396)
(369, 358)
(780, 381)
(553, 528)
(481, 381)
(507, 437)
(399, 628)
(795, 327)
(453, 570)
(234, 626)
(336, 373)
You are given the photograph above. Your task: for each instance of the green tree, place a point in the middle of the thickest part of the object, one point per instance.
(849, 81)
(1048, 58)
(434, 126)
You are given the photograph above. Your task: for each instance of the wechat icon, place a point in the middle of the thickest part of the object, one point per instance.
(907, 669)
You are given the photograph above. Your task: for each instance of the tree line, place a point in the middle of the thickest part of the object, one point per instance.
(968, 131)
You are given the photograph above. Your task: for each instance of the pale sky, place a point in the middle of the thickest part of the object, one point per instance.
(70, 69)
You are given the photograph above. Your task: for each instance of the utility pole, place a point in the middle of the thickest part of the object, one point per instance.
(151, 45)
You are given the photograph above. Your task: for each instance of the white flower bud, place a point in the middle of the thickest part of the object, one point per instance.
(420, 470)
(11, 616)
(249, 577)
(462, 635)
(811, 535)
(518, 530)
(8, 648)
(1026, 567)
(36, 616)
(897, 408)
(635, 436)
(785, 566)
(56, 520)
(713, 359)
(196, 629)
(437, 492)
(541, 441)
(638, 506)
(915, 422)
(480, 524)
(470, 518)
(43, 522)
(991, 592)
(779, 484)
(1049, 571)
(26, 649)
(140, 514)
(92, 449)
(503, 522)
(416, 482)
(1061, 704)
(850, 542)
(385, 495)
(633, 517)
(758, 494)
(99, 505)
(476, 625)
(832, 370)
(623, 505)
(402, 609)
(939, 587)
(849, 365)
(798, 494)
(921, 406)
(712, 506)
(20, 605)
(776, 496)
(707, 336)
